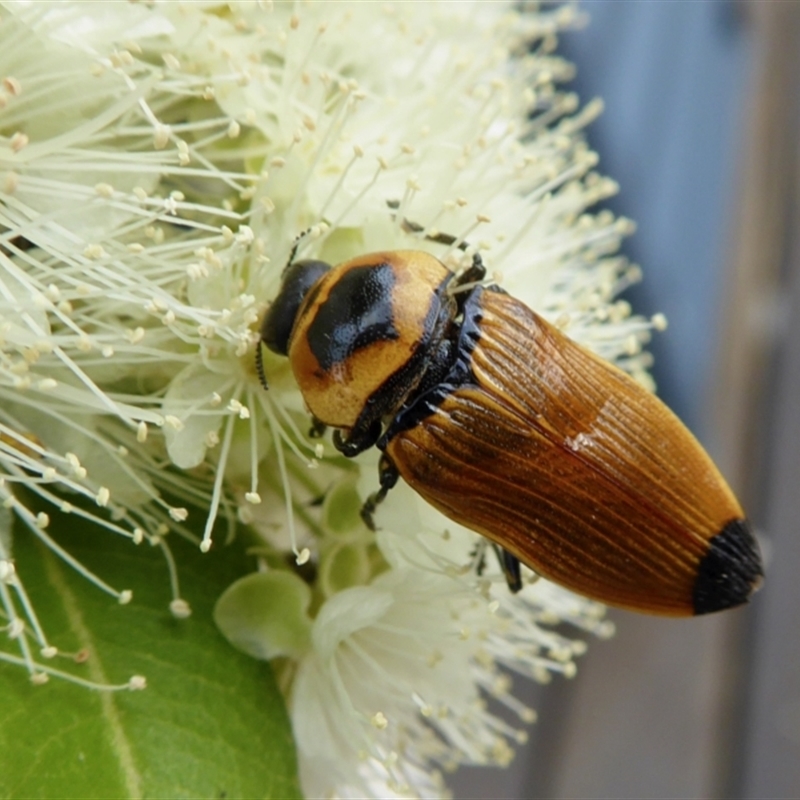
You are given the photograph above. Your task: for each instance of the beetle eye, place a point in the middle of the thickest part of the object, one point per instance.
(276, 327)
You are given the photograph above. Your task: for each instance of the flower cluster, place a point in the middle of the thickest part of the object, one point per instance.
(157, 162)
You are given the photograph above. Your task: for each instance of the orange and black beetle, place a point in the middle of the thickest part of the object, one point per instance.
(510, 428)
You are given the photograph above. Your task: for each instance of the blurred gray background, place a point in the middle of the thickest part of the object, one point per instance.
(701, 131)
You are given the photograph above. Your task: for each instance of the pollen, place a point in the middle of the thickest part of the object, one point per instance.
(161, 136)
(12, 86)
(7, 571)
(659, 322)
(19, 141)
(379, 721)
(180, 609)
(171, 61)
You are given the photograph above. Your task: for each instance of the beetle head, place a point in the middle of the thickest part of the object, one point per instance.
(278, 321)
(276, 327)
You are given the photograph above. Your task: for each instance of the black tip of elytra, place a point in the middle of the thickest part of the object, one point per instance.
(730, 571)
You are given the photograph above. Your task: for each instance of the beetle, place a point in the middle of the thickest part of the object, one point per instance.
(510, 428)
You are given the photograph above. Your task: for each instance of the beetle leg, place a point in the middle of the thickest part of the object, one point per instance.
(473, 274)
(510, 566)
(478, 556)
(388, 475)
(357, 440)
(317, 429)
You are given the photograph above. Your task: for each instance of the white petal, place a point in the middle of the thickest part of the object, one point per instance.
(188, 400)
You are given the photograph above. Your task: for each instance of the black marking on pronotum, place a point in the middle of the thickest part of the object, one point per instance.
(428, 362)
(356, 314)
(730, 571)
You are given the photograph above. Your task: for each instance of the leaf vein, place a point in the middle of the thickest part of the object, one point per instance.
(120, 744)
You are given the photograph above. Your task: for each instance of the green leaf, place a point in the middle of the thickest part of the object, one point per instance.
(211, 722)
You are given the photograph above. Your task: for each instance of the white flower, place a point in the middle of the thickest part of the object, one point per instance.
(156, 164)
(396, 685)
(391, 679)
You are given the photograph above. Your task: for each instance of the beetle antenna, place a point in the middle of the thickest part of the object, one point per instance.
(262, 378)
(474, 274)
(295, 245)
(409, 226)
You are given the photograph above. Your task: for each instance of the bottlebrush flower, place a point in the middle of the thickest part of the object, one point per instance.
(157, 162)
